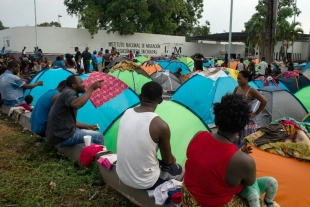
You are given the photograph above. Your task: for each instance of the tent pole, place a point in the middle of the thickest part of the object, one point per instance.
(230, 28)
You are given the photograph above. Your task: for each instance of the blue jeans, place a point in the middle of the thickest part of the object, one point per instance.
(78, 137)
(86, 66)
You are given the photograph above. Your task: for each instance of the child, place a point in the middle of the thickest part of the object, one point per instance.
(28, 100)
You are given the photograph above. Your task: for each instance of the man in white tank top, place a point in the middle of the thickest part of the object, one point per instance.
(141, 132)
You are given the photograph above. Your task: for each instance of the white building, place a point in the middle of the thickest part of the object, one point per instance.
(57, 40)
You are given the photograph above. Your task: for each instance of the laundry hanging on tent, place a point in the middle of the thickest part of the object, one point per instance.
(110, 88)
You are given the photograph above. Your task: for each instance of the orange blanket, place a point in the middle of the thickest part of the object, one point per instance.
(292, 175)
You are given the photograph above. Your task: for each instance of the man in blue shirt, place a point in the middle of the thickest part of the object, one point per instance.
(86, 60)
(95, 61)
(43, 106)
(11, 86)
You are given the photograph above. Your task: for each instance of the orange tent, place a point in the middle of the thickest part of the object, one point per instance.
(151, 67)
(291, 174)
(233, 64)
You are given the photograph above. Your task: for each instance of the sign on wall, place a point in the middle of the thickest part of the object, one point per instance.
(142, 48)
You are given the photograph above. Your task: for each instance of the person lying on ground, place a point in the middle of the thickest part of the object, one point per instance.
(12, 87)
(141, 133)
(62, 127)
(42, 108)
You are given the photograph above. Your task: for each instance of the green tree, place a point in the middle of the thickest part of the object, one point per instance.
(200, 30)
(287, 33)
(2, 27)
(170, 17)
(51, 24)
(259, 32)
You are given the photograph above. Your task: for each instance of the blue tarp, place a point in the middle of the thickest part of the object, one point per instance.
(50, 77)
(106, 114)
(174, 65)
(200, 93)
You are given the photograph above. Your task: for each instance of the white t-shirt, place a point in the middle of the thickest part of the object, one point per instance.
(262, 67)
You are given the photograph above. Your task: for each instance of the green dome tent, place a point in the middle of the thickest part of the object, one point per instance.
(303, 96)
(133, 79)
(183, 126)
(139, 60)
(189, 62)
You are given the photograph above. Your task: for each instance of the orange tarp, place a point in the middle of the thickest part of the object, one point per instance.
(150, 68)
(292, 175)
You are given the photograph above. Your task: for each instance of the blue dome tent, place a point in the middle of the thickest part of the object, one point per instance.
(50, 77)
(106, 114)
(163, 63)
(199, 93)
(175, 65)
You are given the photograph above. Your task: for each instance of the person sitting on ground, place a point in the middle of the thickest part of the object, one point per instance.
(25, 71)
(241, 66)
(27, 105)
(58, 63)
(276, 70)
(177, 73)
(227, 171)
(225, 64)
(62, 127)
(70, 63)
(141, 133)
(198, 66)
(11, 86)
(42, 108)
(173, 56)
(215, 63)
(268, 71)
(137, 53)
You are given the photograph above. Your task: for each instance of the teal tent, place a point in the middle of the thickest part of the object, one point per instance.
(200, 93)
(50, 77)
(183, 126)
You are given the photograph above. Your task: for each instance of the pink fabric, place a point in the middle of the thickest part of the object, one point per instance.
(290, 74)
(105, 163)
(110, 88)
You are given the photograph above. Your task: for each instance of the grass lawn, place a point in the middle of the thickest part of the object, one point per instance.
(28, 166)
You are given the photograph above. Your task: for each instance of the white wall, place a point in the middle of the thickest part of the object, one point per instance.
(63, 40)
